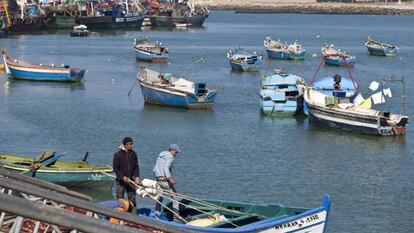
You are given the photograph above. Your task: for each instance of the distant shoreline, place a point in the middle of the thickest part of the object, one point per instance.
(312, 8)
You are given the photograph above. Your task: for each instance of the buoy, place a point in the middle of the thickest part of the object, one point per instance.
(2, 67)
(314, 55)
(113, 80)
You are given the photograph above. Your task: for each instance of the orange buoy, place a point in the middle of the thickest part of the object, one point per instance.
(2, 68)
(155, 5)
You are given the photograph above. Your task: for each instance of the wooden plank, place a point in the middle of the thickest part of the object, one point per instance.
(20, 186)
(60, 217)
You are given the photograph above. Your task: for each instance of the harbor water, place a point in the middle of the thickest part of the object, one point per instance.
(233, 152)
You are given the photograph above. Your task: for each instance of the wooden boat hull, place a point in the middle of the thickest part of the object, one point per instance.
(285, 55)
(289, 108)
(68, 75)
(352, 122)
(170, 21)
(244, 66)
(151, 57)
(105, 22)
(61, 172)
(339, 61)
(158, 96)
(382, 52)
(288, 219)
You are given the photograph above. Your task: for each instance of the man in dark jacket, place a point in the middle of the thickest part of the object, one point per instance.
(126, 167)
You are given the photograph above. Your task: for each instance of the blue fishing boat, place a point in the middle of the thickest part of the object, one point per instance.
(203, 215)
(336, 85)
(146, 50)
(281, 94)
(277, 50)
(380, 49)
(331, 112)
(164, 89)
(241, 60)
(337, 57)
(18, 69)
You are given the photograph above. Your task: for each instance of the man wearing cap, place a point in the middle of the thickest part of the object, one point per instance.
(162, 173)
(125, 164)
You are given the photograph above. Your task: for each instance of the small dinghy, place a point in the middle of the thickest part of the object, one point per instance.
(145, 50)
(241, 60)
(79, 31)
(337, 57)
(380, 49)
(277, 50)
(164, 89)
(18, 69)
(49, 167)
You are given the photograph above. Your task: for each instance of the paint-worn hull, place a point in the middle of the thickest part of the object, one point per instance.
(151, 57)
(170, 21)
(287, 219)
(285, 55)
(159, 96)
(356, 123)
(110, 22)
(68, 75)
(244, 66)
(339, 61)
(382, 52)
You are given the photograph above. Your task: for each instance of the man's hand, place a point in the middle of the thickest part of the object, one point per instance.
(171, 180)
(138, 181)
(125, 179)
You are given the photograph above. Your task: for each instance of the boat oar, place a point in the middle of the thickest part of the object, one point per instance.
(85, 157)
(34, 167)
(129, 92)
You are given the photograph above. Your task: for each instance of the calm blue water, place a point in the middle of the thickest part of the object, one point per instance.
(233, 152)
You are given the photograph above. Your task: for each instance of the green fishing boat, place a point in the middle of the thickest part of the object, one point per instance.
(48, 167)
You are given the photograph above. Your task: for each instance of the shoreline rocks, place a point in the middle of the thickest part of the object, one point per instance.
(315, 8)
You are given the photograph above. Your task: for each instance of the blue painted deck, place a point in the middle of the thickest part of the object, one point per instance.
(326, 85)
(281, 95)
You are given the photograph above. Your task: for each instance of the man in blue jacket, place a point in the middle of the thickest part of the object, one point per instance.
(125, 164)
(163, 175)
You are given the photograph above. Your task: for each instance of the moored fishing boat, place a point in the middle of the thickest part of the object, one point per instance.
(112, 15)
(180, 14)
(203, 215)
(337, 57)
(241, 60)
(282, 94)
(65, 173)
(330, 111)
(18, 69)
(380, 49)
(164, 89)
(146, 50)
(277, 50)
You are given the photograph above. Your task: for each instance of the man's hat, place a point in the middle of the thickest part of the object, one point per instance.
(175, 147)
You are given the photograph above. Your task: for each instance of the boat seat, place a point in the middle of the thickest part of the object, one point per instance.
(44, 156)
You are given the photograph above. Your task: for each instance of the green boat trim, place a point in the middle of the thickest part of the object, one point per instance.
(61, 172)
